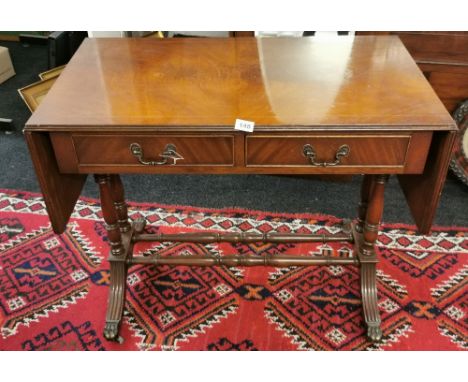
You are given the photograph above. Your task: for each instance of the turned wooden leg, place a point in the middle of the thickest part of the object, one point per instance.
(110, 215)
(367, 256)
(119, 203)
(118, 267)
(362, 209)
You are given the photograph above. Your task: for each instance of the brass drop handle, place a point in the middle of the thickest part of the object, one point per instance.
(169, 153)
(309, 152)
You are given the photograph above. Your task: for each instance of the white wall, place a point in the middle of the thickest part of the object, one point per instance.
(106, 34)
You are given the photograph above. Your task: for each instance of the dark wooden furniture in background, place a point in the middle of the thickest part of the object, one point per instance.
(443, 58)
(169, 106)
(242, 34)
(62, 45)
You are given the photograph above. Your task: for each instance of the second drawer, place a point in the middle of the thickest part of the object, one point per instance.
(353, 150)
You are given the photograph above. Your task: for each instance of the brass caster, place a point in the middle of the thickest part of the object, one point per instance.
(347, 226)
(139, 225)
(374, 333)
(111, 331)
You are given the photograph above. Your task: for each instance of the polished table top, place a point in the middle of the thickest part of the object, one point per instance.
(287, 83)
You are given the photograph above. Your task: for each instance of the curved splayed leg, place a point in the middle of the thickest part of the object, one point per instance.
(116, 300)
(370, 300)
(119, 239)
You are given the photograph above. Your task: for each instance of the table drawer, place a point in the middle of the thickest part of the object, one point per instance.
(343, 151)
(116, 150)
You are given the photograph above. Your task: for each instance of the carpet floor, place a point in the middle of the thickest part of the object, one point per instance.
(53, 289)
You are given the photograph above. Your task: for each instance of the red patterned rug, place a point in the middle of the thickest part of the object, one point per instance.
(53, 288)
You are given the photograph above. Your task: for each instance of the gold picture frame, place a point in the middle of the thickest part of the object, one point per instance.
(55, 72)
(156, 34)
(33, 94)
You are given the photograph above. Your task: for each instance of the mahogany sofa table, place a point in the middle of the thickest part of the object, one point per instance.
(345, 106)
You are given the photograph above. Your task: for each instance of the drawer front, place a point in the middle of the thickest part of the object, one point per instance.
(354, 151)
(114, 150)
(392, 153)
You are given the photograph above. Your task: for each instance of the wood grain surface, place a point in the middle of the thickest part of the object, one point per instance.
(285, 82)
